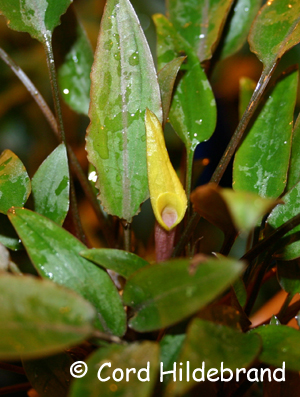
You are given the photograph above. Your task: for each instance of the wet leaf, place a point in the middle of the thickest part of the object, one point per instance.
(242, 17)
(74, 75)
(14, 182)
(275, 30)
(166, 293)
(38, 18)
(123, 84)
(55, 255)
(213, 344)
(200, 23)
(50, 376)
(294, 169)
(280, 344)
(39, 317)
(247, 86)
(137, 355)
(262, 160)
(51, 184)
(121, 262)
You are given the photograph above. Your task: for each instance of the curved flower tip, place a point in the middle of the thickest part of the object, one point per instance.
(168, 198)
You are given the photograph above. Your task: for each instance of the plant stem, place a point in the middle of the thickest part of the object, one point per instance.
(15, 388)
(229, 152)
(127, 236)
(12, 368)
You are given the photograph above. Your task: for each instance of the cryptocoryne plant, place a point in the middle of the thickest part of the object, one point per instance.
(108, 312)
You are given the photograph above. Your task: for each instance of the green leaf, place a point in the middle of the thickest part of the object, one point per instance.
(289, 276)
(124, 83)
(38, 317)
(55, 255)
(275, 30)
(38, 18)
(262, 160)
(242, 17)
(121, 262)
(74, 74)
(281, 214)
(200, 23)
(170, 347)
(213, 344)
(14, 182)
(294, 169)
(50, 376)
(247, 86)
(166, 293)
(280, 344)
(166, 80)
(139, 356)
(8, 235)
(50, 186)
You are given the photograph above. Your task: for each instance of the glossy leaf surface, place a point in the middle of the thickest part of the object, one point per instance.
(121, 262)
(15, 184)
(124, 83)
(262, 160)
(38, 18)
(242, 17)
(280, 344)
(74, 74)
(51, 184)
(214, 344)
(136, 356)
(200, 23)
(39, 317)
(275, 30)
(294, 169)
(55, 255)
(166, 293)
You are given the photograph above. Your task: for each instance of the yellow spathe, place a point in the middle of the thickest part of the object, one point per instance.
(168, 198)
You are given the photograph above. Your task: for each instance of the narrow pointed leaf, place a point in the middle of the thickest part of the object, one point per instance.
(55, 255)
(74, 74)
(243, 15)
(137, 356)
(294, 169)
(214, 344)
(39, 317)
(275, 30)
(261, 162)
(168, 198)
(166, 293)
(14, 182)
(38, 18)
(247, 86)
(166, 80)
(51, 184)
(124, 83)
(289, 247)
(280, 344)
(200, 23)
(121, 262)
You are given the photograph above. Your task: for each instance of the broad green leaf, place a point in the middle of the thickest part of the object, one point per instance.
(280, 344)
(166, 293)
(281, 214)
(166, 80)
(294, 169)
(39, 318)
(170, 347)
(55, 255)
(193, 110)
(200, 22)
(8, 235)
(38, 18)
(50, 186)
(121, 262)
(247, 86)
(289, 276)
(74, 74)
(14, 182)
(124, 83)
(262, 160)
(242, 17)
(143, 357)
(213, 344)
(275, 30)
(50, 376)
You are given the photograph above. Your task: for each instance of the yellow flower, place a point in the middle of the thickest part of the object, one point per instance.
(168, 198)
